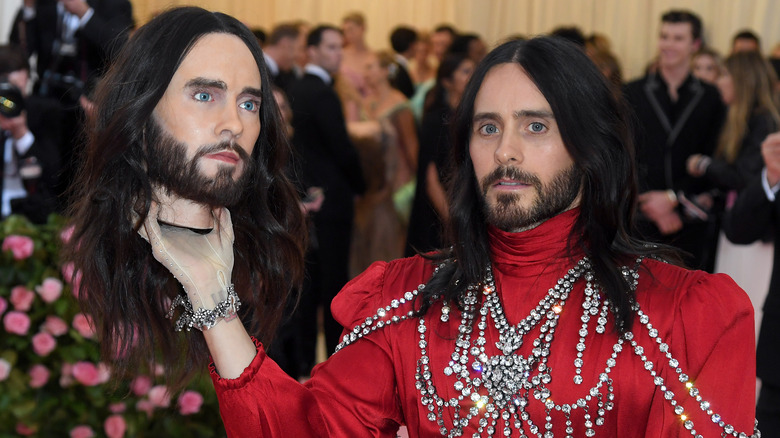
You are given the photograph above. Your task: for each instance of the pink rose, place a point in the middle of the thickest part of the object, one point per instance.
(83, 325)
(76, 284)
(145, 406)
(21, 246)
(82, 431)
(3, 305)
(22, 298)
(115, 426)
(67, 272)
(55, 325)
(159, 396)
(39, 375)
(66, 375)
(117, 408)
(43, 344)
(66, 234)
(190, 402)
(5, 369)
(23, 429)
(141, 385)
(16, 322)
(86, 373)
(49, 290)
(104, 373)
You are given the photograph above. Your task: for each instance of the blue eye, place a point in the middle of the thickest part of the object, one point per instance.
(250, 105)
(488, 129)
(203, 96)
(537, 127)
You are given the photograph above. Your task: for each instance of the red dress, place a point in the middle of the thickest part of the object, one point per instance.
(367, 389)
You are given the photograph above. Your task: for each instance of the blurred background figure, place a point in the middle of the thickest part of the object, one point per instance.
(429, 208)
(30, 135)
(356, 51)
(745, 40)
(282, 47)
(471, 45)
(572, 34)
(403, 40)
(746, 85)
(599, 50)
(423, 66)
(73, 42)
(388, 150)
(755, 214)
(706, 64)
(441, 39)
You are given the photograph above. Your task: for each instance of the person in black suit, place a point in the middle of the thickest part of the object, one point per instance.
(404, 42)
(279, 53)
(29, 141)
(73, 39)
(327, 160)
(756, 215)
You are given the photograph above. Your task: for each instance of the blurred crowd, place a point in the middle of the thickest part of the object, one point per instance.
(371, 137)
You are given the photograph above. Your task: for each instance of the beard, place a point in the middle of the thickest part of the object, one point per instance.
(169, 167)
(506, 212)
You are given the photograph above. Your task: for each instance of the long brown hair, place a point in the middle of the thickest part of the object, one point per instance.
(754, 83)
(124, 289)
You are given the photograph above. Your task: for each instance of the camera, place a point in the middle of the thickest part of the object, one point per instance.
(11, 100)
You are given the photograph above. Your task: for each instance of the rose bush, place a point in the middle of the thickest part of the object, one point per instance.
(52, 382)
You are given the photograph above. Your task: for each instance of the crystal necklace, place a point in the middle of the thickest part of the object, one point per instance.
(493, 391)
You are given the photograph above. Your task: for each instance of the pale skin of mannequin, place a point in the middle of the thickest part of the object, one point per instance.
(207, 103)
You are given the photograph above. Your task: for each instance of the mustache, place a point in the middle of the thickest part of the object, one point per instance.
(215, 148)
(510, 172)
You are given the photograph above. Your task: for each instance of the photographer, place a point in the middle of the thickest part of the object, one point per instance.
(74, 41)
(30, 131)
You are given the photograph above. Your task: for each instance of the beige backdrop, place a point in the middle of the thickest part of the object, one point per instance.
(630, 24)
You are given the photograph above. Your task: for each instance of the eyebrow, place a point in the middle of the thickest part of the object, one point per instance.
(200, 82)
(544, 114)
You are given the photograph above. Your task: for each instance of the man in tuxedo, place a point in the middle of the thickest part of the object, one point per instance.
(756, 215)
(73, 39)
(30, 142)
(330, 161)
(677, 116)
(280, 51)
(404, 42)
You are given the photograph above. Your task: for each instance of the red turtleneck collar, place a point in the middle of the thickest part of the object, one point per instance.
(548, 243)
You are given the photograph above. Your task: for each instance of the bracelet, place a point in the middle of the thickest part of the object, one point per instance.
(207, 318)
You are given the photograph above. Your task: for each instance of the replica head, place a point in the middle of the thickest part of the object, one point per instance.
(185, 117)
(539, 131)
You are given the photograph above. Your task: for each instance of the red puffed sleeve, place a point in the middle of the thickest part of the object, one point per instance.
(352, 394)
(708, 325)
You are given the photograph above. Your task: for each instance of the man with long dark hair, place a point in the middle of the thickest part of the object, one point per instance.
(186, 137)
(544, 317)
